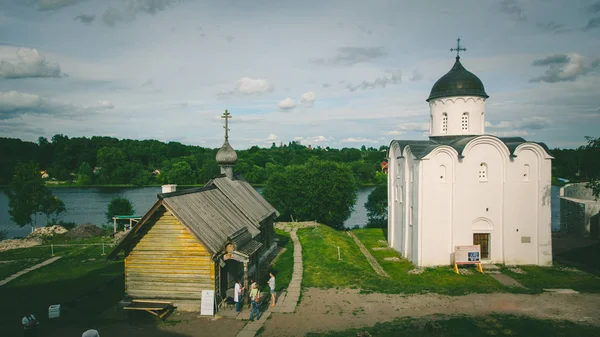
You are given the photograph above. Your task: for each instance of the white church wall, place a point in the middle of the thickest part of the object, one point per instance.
(478, 202)
(414, 223)
(437, 189)
(521, 209)
(396, 198)
(454, 108)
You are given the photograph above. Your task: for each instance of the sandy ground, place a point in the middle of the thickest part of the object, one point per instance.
(329, 309)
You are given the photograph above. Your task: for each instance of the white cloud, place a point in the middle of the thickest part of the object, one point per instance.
(358, 140)
(29, 63)
(287, 104)
(394, 77)
(394, 133)
(564, 67)
(104, 104)
(48, 5)
(415, 76)
(249, 86)
(531, 123)
(413, 126)
(308, 98)
(272, 137)
(132, 8)
(14, 103)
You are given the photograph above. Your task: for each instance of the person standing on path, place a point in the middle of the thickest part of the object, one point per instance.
(30, 324)
(255, 298)
(91, 333)
(272, 288)
(238, 294)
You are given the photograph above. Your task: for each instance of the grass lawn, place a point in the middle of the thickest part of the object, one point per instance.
(323, 269)
(15, 260)
(539, 278)
(80, 281)
(463, 326)
(284, 266)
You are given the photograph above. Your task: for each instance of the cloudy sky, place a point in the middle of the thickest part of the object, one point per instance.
(334, 73)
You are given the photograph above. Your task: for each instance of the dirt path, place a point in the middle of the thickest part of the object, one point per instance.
(329, 309)
(376, 266)
(27, 270)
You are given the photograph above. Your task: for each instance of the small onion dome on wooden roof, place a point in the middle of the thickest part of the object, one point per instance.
(458, 82)
(226, 154)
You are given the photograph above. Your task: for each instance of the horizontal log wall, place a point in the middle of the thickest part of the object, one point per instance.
(168, 263)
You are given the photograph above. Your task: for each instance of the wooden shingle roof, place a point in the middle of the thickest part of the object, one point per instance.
(223, 211)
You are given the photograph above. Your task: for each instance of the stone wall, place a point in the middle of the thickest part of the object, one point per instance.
(577, 207)
(577, 191)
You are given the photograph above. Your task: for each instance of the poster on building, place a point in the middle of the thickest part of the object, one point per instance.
(467, 254)
(207, 305)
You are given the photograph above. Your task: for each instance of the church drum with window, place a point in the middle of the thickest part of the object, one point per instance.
(465, 187)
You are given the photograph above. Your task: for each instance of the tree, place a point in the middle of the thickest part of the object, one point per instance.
(592, 156)
(52, 206)
(376, 206)
(318, 190)
(180, 172)
(118, 206)
(28, 195)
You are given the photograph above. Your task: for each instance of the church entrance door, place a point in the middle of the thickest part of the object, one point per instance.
(483, 240)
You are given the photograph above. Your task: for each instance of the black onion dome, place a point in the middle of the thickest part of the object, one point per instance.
(457, 82)
(226, 155)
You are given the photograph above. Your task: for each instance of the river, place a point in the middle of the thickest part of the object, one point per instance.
(88, 205)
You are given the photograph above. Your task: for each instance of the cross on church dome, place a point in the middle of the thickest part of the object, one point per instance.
(458, 48)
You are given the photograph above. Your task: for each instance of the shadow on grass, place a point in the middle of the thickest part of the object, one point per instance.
(490, 325)
(584, 258)
(284, 265)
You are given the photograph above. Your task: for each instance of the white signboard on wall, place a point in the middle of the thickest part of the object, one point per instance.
(207, 305)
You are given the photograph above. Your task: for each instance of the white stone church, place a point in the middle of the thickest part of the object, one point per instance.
(466, 187)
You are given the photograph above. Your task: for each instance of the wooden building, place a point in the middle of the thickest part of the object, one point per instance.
(199, 239)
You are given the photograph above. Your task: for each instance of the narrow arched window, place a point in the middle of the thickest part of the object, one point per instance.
(526, 172)
(465, 122)
(444, 122)
(401, 193)
(483, 172)
(442, 172)
(482, 122)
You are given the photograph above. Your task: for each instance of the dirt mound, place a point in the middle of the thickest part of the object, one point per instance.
(119, 236)
(85, 231)
(46, 232)
(18, 243)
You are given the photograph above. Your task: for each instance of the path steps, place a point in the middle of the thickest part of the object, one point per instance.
(494, 271)
(25, 271)
(286, 303)
(376, 266)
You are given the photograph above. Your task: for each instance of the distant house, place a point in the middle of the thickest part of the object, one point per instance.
(384, 167)
(44, 174)
(199, 239)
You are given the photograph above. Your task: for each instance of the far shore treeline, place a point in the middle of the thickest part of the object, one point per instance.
(110, 161)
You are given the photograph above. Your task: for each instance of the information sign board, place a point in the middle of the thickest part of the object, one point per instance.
(467, 254)
(207, 305)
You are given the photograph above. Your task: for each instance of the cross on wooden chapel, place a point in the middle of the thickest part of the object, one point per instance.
(226, 115)
(458, 49)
